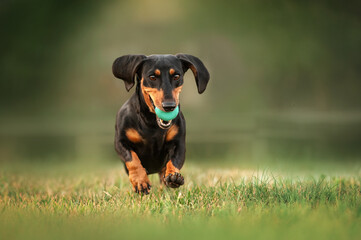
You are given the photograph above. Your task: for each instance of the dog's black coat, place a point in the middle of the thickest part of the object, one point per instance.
(154, 151)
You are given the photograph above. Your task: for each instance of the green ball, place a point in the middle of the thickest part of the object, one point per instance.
(167, 116)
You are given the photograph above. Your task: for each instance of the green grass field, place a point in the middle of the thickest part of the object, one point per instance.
(77, 202)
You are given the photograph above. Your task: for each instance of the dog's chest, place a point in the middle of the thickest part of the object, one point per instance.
(153, 150)
(154, 142)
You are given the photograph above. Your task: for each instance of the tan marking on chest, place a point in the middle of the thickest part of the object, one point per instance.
(172, 132)
(133, 135)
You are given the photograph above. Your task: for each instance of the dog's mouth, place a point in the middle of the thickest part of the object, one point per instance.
(161, 123)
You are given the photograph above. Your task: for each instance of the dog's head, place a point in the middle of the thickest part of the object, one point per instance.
(160, 77)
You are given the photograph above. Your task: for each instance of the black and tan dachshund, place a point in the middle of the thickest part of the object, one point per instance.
(145, 143)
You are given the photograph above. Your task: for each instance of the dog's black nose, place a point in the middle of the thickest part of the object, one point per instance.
(169, 106)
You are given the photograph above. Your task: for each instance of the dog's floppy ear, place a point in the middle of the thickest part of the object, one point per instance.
(200, 72)
(125, 68)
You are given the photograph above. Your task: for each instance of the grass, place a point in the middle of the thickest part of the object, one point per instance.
(57, 202)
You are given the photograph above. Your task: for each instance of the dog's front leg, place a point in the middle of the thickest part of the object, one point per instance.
(137, 174)
(171, 173)
(172, 177)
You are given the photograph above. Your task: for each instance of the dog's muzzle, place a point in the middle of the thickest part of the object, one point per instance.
(161, 123)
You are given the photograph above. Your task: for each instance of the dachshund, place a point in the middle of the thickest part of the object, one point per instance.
(145, 143)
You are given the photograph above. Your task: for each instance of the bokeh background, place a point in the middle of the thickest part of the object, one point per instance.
(285, 82)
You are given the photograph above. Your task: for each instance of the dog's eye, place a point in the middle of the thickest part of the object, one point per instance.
(152, 77)
(176, 77)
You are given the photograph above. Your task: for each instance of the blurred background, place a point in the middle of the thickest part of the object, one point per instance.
(285, 77)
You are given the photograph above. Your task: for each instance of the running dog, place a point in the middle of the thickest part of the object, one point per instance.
(146, 143)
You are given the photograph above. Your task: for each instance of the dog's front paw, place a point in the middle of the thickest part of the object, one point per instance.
(174, 180)
(142, 188)
(141, 185)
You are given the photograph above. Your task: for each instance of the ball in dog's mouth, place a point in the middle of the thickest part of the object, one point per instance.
(164, 119)
(167, 116)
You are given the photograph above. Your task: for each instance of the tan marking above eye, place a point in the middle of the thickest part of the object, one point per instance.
(171, 71)
(133, 135)
(157, 72)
